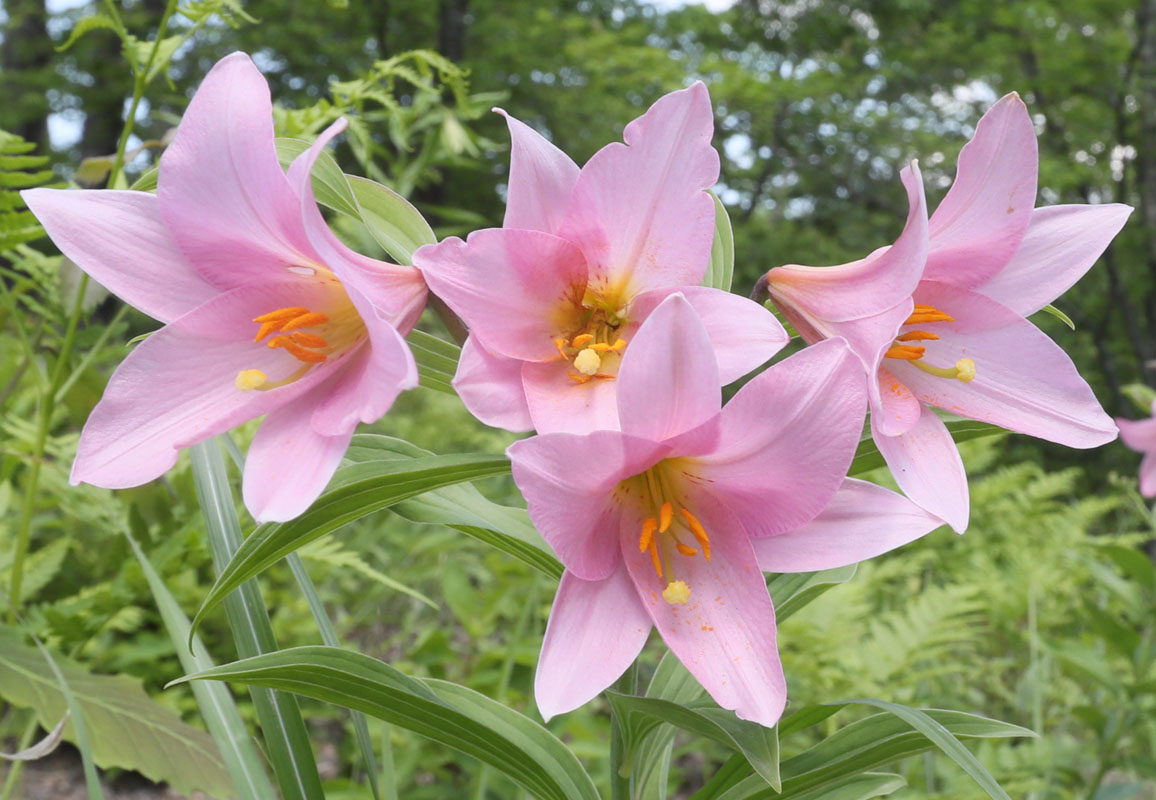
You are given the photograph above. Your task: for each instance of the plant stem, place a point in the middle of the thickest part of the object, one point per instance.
(619, 783)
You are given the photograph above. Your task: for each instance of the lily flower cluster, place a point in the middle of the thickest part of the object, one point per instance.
(589, 325)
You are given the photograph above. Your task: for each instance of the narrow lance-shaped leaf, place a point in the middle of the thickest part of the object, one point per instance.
(356, 491)
(463, 719)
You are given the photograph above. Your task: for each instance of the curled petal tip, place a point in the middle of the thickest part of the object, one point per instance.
(762, 288)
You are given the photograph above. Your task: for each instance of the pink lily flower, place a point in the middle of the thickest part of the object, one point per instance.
(553, 298)
(671, 521)
(265, 311)
(1140, 435)
(939, 319)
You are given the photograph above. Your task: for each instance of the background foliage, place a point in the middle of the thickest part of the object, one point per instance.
(1041, 615)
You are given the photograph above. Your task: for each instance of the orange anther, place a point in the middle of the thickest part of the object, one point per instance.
(574, 376)
(698, 531)
(918, 336)
(282, 314)
(600, 347)
(686, 549)
(921, 317)
(581, 339)
(305, 321)
(308, 339)
(296, 350)
(618, 346)
(560, 345)
(665, 516)
(649, 526)
(905, 352)
(654, 559)
(266, 329)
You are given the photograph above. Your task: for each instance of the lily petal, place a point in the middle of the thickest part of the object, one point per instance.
(239, 221)
(596, 630)
(725, 633)
(289, 463)
(1023, 381)
(668, 382)
(894, 407)
(980, 223)
(861, 289)
(541, 180)
(743, 334)
(177, 388)
(120, 240)
(640, 210)
(387, 296)
(559, 405)
(569, 484)
(862, 521)
(1148, 475)
(368, 387)
(1139, 435)
(491, 387)
(511, 287)
(1061, 244)
(926, 464)
(787, 439)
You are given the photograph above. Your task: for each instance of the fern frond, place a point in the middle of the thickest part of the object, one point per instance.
(19, 169)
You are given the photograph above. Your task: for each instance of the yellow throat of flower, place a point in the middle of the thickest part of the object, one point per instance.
(665, 536)
(592, 346)
(311, 337)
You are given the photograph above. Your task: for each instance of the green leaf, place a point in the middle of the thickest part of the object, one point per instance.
(329, 636)
(329, 184)
(641, 715)
(283, 729)
(518, 747)
(125, 727)
(85, 25)
(1060, 315)
(218, 709)
(463, 508)
(1141, 395)
(791, 592)
(356, 491)
(720, 272)
(868, 457)
(873, 742)
(854, 787)
(396, 225)
(934, 726)
(437, 360)
(147, 182)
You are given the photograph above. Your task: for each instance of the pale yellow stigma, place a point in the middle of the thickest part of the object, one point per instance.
(587, 362)
(249, 379)
(963, 371)
(676, 593)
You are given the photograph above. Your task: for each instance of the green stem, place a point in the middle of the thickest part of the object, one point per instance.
(47, 406)
(619, 783)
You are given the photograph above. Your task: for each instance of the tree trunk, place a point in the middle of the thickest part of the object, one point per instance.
(25, 60)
